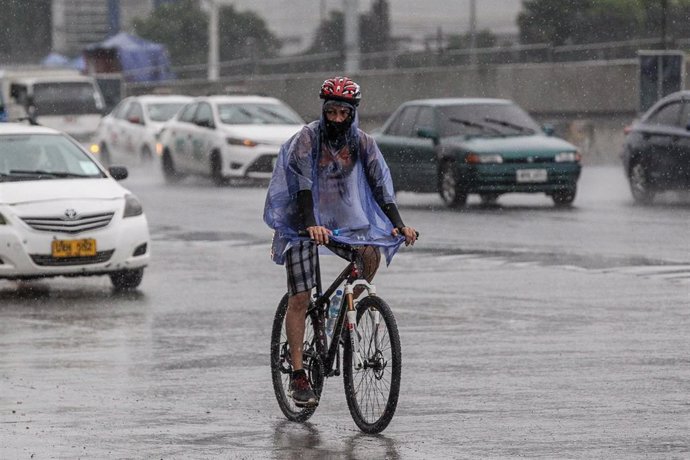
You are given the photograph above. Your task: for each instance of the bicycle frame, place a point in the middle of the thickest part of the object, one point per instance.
(351, 275)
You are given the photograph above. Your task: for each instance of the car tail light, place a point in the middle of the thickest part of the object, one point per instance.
(627, 129)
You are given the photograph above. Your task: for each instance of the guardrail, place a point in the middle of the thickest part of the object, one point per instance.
(334, 62)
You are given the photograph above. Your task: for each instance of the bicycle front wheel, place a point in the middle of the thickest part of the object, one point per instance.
(281, 364)
(372, 385)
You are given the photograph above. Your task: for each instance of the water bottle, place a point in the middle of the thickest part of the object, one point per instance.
(333, 308)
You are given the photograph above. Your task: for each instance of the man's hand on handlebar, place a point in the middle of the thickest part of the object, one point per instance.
(409, 233)
(319, 234)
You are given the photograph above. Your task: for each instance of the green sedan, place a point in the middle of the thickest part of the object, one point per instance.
(485, 146)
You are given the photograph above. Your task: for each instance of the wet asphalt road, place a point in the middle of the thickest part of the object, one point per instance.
(526, 332)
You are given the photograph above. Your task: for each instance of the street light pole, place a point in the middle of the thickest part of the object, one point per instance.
(213, 50)
(351, 36)
(473, 31)
(664, 10)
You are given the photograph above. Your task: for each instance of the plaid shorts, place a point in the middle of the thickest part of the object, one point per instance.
(300, 263)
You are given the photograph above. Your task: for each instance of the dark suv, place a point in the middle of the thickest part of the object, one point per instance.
(656, 152)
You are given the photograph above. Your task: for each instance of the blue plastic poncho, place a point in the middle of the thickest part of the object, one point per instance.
(347, 183)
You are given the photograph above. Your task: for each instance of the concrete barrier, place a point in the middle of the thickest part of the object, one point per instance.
(589, 103)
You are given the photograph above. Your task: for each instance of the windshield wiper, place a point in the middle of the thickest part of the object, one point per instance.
(39, 172)
(474, 124)
(276, 115)
(508, 124)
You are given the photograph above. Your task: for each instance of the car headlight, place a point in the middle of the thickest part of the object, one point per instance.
(473, 158)
(132, 206)
(243, 142)
(564, 157)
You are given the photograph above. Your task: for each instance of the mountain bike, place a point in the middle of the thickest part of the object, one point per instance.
(367, 334)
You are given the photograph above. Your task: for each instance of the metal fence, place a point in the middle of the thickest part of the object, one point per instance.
(334, 62)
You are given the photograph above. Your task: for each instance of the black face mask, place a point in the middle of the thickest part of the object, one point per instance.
(336, 130)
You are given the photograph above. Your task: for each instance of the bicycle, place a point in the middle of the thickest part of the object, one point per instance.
(371, 349)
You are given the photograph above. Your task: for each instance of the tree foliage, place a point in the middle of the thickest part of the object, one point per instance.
(183, 27)
(374, 31)
(561, 22)
(483, 39)
(25, 30)
(244, 34)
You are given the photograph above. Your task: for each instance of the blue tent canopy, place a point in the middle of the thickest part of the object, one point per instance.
(138, 59)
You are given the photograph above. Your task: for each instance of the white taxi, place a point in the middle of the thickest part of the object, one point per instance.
(63, 214)
(128, 133)
(226, 137)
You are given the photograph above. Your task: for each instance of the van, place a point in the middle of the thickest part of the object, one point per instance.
(65, 101)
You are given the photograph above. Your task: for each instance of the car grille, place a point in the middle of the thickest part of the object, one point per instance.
(262, 164)
(530, 159)
(60, 224)
(50, 261)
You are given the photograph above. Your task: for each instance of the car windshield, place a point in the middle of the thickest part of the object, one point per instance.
(65, 98)
(43, 156)
(163, 111)
(485, 119)
(258, 114)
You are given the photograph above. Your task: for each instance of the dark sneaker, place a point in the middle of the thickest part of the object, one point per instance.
(300, 391)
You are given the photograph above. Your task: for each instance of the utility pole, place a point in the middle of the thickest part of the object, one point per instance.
(664, 13)
(473, 32)
(351, 36)
(213, 50)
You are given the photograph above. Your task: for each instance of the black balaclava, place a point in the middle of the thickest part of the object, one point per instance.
(336, 131)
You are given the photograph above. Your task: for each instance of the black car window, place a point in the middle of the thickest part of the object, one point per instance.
(404, 122)
(425, 119)
(667, 115)
(685, 115)
(204, 116)
(121, 109)
(187, 114)
(135, 110)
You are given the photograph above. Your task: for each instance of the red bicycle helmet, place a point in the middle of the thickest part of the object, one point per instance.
(341, 89)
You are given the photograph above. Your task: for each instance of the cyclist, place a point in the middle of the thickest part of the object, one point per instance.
(330, 175)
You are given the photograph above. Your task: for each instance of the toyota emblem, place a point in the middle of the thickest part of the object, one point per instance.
(70, 214)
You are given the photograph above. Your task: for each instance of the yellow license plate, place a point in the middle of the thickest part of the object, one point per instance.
(74, 248)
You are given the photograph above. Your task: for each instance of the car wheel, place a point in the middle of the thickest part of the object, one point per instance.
(563, 198)
(104, 154)
(449, 187)
(125, 280)
(489, 198)
(216, 170)
(639, 184)
(169, 172)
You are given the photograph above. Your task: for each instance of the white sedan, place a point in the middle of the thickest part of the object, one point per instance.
(128, 133)
(226, 136)
(62, 214)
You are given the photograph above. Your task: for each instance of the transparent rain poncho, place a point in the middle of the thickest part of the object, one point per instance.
(346, 184)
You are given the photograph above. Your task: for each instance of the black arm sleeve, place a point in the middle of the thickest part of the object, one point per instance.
(391, 211)
(305, 206)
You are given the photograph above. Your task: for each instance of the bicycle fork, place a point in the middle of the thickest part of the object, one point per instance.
(352, 320)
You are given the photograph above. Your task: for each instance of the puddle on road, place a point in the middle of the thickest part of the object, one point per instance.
(637, 266)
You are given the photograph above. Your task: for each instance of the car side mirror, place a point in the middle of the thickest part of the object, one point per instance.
(428, 133)
(205, 123)
(548, 129)
(118, 172)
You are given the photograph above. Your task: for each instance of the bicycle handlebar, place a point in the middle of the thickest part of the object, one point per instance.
(337, 244)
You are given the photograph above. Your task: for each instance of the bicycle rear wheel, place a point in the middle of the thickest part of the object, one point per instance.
(281, 364)
(372, 391)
